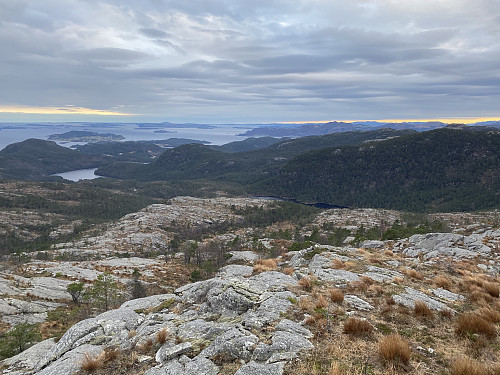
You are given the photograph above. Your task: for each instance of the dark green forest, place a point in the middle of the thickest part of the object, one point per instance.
(439, 170)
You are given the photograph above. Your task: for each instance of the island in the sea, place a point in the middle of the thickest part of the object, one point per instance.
(85, 136)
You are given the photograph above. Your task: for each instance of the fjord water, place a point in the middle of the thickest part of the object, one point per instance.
(218, 135)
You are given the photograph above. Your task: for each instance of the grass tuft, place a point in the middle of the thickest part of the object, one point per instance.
(264, 265)
(335, 369)
(394, 349)
(442, 282)
(414, 274)
(354, 326)
(467, 366)
(336, 295)
(92, 363)
(422, 310)
(492, 288)
(306, 283)
(470, 323)
(161, 336)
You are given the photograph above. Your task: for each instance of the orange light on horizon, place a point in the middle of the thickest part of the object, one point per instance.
(470, 120)
(67, 110)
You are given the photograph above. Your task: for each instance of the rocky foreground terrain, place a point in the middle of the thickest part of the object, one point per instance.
(427, 304)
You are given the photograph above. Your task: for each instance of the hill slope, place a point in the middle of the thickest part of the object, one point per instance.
(36, 159)
(197, 161)
(442, 169)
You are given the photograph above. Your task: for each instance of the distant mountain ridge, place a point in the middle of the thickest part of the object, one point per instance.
(337, 127)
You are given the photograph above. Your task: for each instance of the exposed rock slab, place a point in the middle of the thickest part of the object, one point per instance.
(408, 299)
(254, 368)
(357, 303)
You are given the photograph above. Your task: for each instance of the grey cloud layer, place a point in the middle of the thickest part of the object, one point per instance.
(259, 60)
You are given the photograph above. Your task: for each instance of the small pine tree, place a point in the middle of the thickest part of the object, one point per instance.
(76, 290)
(18, 339)
(104, 293)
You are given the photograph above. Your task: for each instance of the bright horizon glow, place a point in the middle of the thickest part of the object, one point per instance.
(469, 120)
(66, 110)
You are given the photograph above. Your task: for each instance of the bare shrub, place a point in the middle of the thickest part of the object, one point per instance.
(354, 326)
(336, 295)
(421, 309)
(395, 349)
(468, 323)
(467, 366)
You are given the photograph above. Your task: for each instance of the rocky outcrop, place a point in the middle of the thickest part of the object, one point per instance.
(211, 319)
(432, 245)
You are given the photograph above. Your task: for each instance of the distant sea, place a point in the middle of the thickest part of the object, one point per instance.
(216, 135)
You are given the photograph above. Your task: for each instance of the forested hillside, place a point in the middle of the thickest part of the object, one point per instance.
(36, 159)
(442, 170)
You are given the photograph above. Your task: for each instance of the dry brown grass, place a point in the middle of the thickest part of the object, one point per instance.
(264, 265)
(394, 349)
(442, 282)
(335, 369)
(467, 366)
(422, 310)
(446, 314)
(414, 274)
(470, 323)
(321, 302)
(398, 280)
(161, 336)
(367, 280)
(111, 354)
(492, 316)
(91, 363)
(354, 326)
(337, 264)
(306, 304)
(492, 288)
(336, 295)
(358, 286)
(132, 333)
(288, 270)
(146, 346)
(306, 283)
(388, 253)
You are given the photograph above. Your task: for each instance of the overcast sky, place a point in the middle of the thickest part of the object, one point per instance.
(249, 60)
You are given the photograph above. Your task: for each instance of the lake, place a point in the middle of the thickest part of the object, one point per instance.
(80, 174)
